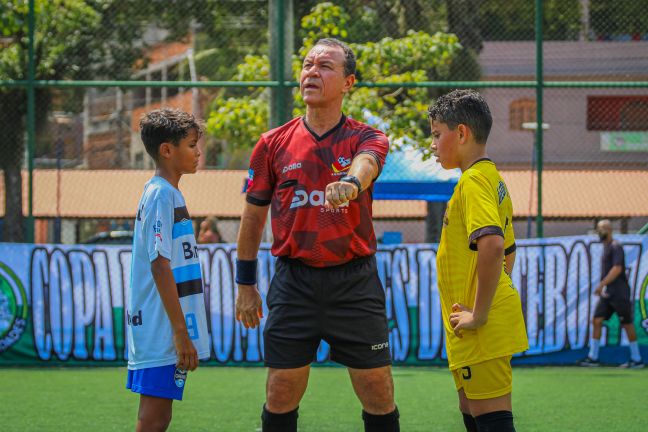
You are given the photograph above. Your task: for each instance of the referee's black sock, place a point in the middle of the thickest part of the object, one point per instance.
(469, 421)
(272, 422)
(381, 422)
(497, 421)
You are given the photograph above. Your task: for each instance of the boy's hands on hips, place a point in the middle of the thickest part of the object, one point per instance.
(187, 354)
(463, 318)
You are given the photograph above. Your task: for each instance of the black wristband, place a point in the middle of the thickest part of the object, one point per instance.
(353, 180)
(246, 272)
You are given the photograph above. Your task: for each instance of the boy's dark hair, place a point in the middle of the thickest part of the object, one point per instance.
(465, 107)
(349, 55)
(168, 125)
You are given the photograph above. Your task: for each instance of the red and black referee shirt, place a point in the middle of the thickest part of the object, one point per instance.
(290, 168)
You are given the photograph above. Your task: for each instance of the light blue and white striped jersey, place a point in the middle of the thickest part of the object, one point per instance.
(163, 228)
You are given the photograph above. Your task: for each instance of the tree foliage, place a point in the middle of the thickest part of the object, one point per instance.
(619, 17)
(69, 44)
(62, 26)
(417, 56)
(505, 20)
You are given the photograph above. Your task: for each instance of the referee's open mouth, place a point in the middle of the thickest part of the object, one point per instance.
(310, 86)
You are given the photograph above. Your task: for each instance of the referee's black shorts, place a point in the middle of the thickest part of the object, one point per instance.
(343, 305)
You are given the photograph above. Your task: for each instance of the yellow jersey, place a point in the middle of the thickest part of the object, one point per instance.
(480, 205)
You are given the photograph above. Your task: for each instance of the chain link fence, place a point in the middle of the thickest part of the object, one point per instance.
(98, 65)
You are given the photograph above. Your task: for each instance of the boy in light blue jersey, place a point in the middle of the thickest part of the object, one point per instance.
(167, 326)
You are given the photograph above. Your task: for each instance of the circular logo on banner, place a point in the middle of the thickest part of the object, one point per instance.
(642, 304)
(13, 307)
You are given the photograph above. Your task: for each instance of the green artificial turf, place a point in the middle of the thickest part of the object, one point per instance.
(230, 399)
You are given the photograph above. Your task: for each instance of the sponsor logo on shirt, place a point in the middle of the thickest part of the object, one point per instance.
(134, 320)
(341, 164)
(190, 251)
(501, 191)
(291, 167)
(250, 179)
(315, 199)
(157, 229)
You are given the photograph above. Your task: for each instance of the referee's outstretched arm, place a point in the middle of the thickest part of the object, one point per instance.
(249, 307)
(364, 169)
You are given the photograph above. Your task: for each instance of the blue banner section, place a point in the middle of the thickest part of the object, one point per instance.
(64, 304)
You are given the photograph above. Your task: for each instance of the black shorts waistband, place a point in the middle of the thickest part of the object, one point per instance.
(353, 263)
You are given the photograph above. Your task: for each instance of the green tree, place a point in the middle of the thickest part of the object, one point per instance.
(71, 42)
(418, 56)
(371, 20)
(506, 20)
(226, 31)
(619, 17)
(63, 26)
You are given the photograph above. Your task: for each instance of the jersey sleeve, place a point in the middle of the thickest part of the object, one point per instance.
(479, 204)
(618, 255)
(509, 237)
(158, 228)
(260, 183)
(375, 143)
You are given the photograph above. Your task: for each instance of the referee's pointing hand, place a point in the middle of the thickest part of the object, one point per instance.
(340, 193)
(249, 307)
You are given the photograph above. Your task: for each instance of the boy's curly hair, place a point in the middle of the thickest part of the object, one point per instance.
(168, 125)
(465, 107)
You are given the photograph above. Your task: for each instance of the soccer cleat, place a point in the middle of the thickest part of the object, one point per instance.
(589, 362)
(631, 364)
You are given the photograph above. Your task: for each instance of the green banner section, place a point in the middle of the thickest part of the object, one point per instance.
(624, 141)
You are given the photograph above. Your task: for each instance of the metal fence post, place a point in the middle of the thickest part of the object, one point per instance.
(31, 120)
(281, 48)
(539, 108)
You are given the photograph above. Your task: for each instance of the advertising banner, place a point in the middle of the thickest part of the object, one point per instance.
(64, 304)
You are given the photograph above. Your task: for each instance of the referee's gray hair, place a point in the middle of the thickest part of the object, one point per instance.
(349, 55)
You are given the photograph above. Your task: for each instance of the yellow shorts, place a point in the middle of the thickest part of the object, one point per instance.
(486, 380)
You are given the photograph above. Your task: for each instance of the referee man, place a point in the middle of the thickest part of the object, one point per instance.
(316, 173)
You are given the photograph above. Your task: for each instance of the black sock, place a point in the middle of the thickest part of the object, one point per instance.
(381, 422)
(272, 422)
(469, 421)
(497, 421)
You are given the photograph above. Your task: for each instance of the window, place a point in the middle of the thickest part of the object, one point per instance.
(521, 111)
(617, 113)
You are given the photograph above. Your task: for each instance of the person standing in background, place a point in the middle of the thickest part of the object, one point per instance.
(614, 296)
(209, 232)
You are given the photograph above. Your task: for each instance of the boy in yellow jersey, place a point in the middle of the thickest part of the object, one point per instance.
(482, 312)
